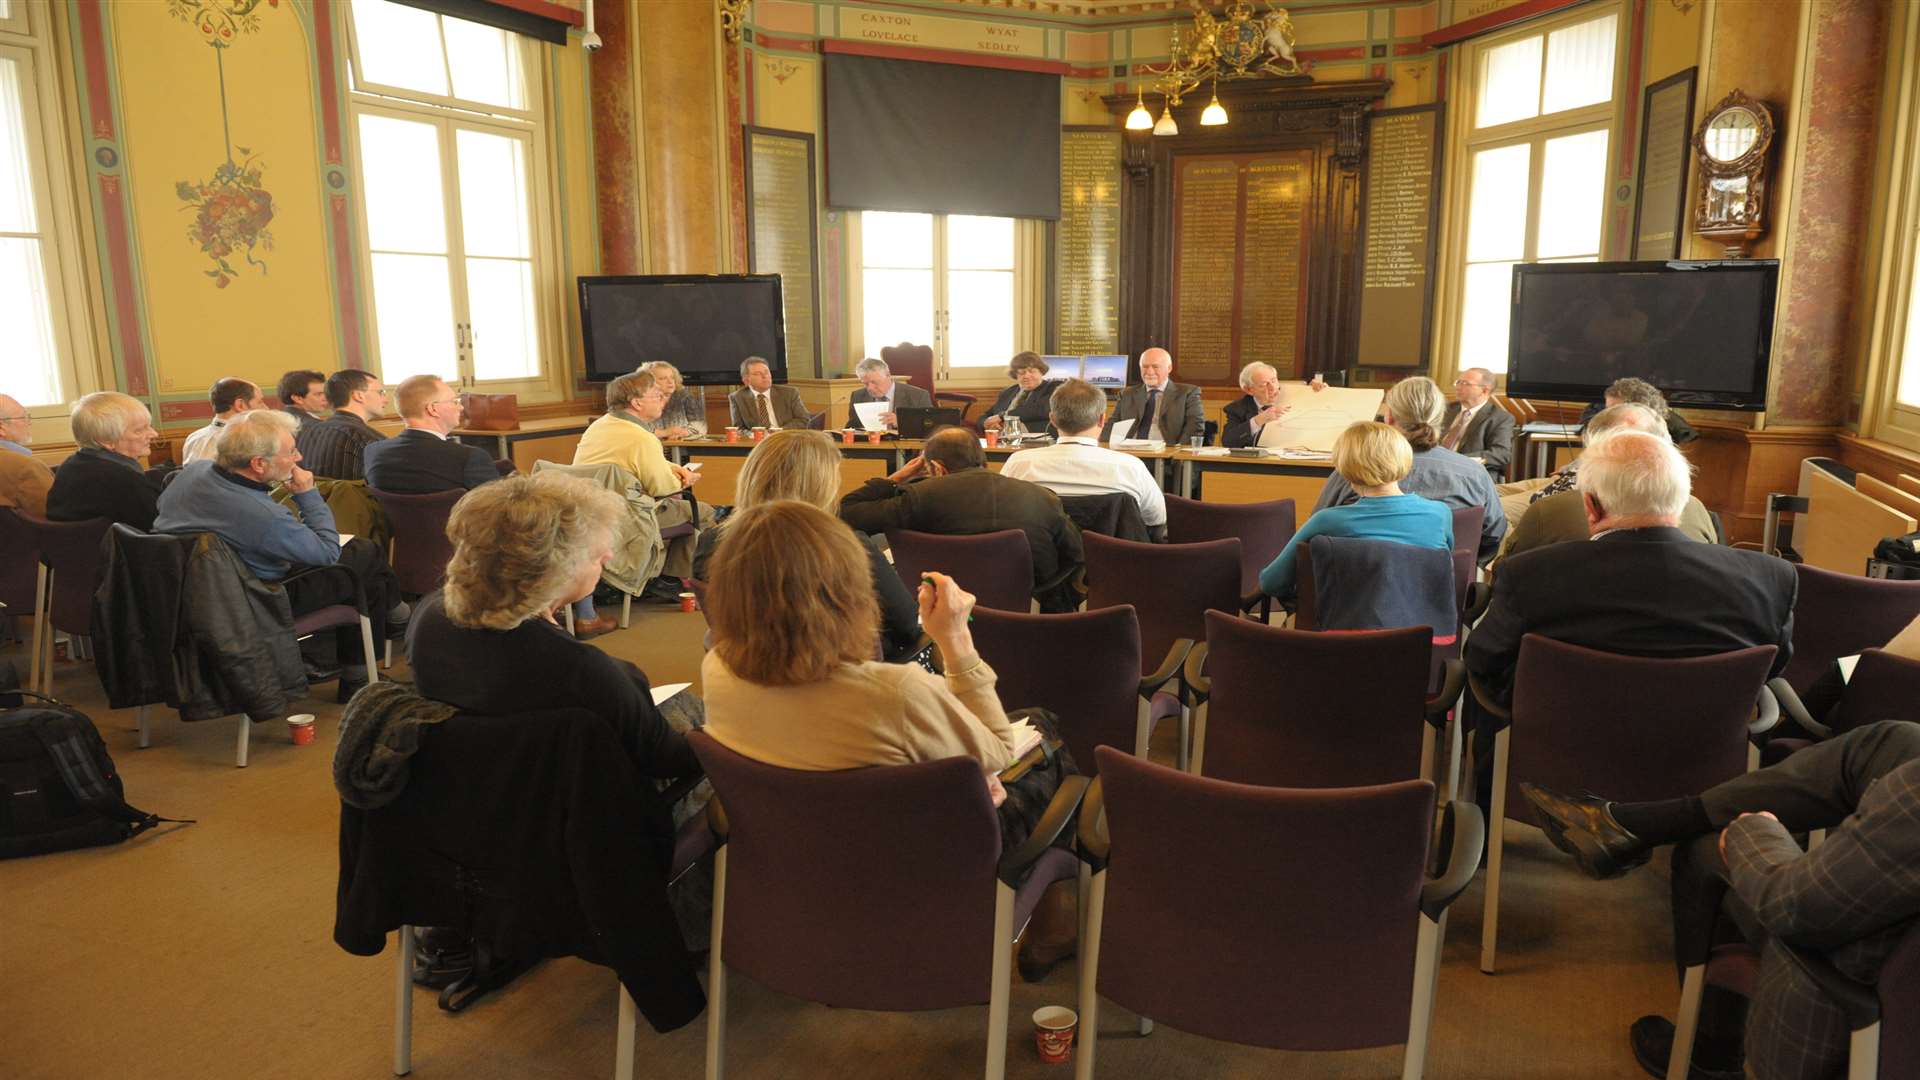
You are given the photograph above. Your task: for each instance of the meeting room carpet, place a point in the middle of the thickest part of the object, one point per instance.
(206, 951)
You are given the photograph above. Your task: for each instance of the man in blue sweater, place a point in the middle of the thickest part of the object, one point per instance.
(231, 496)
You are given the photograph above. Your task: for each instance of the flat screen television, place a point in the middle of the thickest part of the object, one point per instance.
(703, 324)
(1700, 331)
(1109, 372)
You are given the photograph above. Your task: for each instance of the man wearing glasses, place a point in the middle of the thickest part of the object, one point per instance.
(24, 480)
(422, 459)
(1475, 426)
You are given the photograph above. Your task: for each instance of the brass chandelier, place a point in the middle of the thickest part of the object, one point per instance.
(1236, 44)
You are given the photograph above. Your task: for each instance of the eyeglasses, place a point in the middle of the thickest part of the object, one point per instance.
(445, 401)
(11, 419)
(1467, 382)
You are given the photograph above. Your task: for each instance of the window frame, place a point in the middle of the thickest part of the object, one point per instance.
(448, 116)
(24, 37)
(1535, 131)
(1028, 306)
(529, 68)
(1882, 415)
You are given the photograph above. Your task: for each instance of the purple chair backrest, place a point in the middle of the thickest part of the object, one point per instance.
(1638, 728)
(1083, 666)
(1837, 615)
(421, 549)
(19, 564)
(1263, 528)
(996, 567)
(1467, 523)
(1274, 917)
(1883, 687)
(866, 889)
(1899, 1004)
(1171, 586)
(71, 549)
(1293, 708)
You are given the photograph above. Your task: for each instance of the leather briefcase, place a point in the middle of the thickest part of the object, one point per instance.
(491, 412)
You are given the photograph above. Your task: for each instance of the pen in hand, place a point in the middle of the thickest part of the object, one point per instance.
(927, 580)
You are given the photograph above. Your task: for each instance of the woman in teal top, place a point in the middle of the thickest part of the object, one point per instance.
(1373, 458)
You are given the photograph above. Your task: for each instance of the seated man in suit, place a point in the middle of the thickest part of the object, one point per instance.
(1077, 464)
(762, 404)
(878, 384)
(1642, 587)
(958, 496)
(336, 447)
(303, 396)
(421, 459)
(230, 398)
(619, 438)
(1259, 406)
(1475, 426)
(104, 478)
(231, 496)
(1159, 407)
(1851, 899)
(1561, 516)
(24, 479)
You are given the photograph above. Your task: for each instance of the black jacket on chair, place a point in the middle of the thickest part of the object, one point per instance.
(533, 832)
(193, 628)
(419, 463)
(1639, 592)
(967, 503)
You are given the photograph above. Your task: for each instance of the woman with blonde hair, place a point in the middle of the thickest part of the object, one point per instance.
(524, 546)
(805, 466)
(685, 413)
(1372, 458)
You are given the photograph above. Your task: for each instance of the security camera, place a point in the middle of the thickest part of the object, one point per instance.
(590, 41)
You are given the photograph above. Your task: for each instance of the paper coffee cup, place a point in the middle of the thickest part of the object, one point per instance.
(687, 602)
(300, 726)
(1053, 1030)
(993, 439)
(873, 437)
(733, 434)
(847, 436)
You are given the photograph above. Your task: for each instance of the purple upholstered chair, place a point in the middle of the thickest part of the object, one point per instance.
(1262, 528)
(20, 580)
(421, 549)
(1083, 666)
(996, 567)
(69, 564)
(1875, 1051)
(1171, 588)
(1327, 885)
(1294, 708)
(801, 905)
(1637, 728)
(1837, 615)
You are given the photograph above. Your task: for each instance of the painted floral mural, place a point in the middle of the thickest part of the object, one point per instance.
(232, 210)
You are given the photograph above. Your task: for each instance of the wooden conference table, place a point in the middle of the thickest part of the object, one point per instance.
(1222, 479)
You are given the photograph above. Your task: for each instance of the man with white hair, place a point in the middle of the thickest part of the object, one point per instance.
(1260, 406)
(104, 478)
(232, 497)
(24, 479)
(878, 384)
(1642, 587)
(1561, 516)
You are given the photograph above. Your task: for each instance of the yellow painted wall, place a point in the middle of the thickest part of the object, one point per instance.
(1673, 41)
(262, 322)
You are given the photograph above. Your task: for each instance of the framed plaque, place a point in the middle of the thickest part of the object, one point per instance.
(1086, 247)
(1666, 134)
(1401, 205)
(783, 234)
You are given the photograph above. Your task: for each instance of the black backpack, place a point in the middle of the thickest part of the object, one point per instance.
(58, 787)
(1896, 557)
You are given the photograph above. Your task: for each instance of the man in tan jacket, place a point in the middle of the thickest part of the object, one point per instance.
(24, 479)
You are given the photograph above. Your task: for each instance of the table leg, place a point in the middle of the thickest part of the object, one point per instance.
(506, 449)
(1160, 471)
(1186, 479)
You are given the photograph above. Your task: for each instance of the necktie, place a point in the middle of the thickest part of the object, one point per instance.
(1144, 429)
(1451, 439)
(766, 417)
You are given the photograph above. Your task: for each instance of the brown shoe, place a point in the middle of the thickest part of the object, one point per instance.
(594, 627)
(1053, 932)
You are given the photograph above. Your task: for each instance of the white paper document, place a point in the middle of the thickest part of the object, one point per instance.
(1025, 738)
(869, 414)
(662, 693)
(1847, 664)
(344, 537)
(1316, 418)
(1124, 428)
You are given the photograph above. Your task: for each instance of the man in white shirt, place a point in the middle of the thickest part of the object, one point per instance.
(1076, 464)
(230, 398)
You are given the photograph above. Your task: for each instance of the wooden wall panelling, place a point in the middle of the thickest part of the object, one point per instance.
(1842, 526)
(1737, 468)
(1910, 484)
(1873, 487)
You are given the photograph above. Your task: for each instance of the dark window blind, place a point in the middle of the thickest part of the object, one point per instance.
(503, 16)
(941, 138)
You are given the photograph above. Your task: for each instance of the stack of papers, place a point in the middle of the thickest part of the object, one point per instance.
(869, 414)
(1122, 428)
(1025, 737)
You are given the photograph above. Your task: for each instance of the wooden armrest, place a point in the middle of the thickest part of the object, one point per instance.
(1053, 824)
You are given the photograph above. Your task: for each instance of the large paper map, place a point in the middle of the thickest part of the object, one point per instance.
(1318, 417)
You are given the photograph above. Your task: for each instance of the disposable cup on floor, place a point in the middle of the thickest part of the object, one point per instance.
(1053, 1030)
(300, 726)
(687, 602)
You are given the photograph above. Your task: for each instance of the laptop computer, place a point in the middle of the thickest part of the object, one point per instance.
(918, 423)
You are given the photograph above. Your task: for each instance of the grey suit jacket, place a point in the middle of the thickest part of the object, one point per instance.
(788, 410)
(905, 396)
(1179, 412)
(1489, 437)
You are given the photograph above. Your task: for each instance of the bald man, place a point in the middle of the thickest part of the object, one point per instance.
(1159, 407)
(24, 480)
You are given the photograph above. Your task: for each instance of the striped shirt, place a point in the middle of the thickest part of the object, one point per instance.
(334, 447)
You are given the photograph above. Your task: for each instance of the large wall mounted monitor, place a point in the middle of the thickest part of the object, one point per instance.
(1700, 331)
(703, 324)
